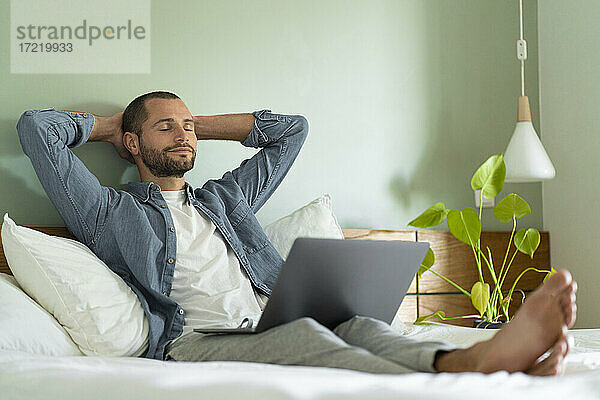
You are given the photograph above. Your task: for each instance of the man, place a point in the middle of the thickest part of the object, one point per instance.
(198, 257)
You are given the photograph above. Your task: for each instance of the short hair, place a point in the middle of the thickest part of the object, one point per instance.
(135, 113)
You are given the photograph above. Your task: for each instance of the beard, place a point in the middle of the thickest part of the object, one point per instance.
(161, 164)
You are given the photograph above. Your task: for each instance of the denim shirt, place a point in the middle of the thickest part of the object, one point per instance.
(132, 231)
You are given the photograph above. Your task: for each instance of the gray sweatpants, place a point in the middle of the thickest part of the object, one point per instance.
(361, 344)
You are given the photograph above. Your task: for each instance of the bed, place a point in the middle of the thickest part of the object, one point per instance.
(24, 375)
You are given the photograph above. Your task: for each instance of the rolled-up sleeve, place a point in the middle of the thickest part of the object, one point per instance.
(281, 137)
(47, 137)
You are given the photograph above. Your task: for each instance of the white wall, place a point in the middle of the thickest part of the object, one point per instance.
(569, 59)
(405, 99)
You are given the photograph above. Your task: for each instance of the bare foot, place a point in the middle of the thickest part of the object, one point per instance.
(554, 364)
(539, 325)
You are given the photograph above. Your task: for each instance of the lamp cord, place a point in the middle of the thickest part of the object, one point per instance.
(521, 37)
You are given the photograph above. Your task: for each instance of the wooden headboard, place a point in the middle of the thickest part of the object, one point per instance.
(453, 259)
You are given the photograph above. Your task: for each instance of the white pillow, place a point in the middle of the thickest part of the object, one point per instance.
(27, 327)
(94, 305)
(315, 219)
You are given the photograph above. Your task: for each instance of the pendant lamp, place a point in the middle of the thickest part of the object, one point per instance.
(525, 157)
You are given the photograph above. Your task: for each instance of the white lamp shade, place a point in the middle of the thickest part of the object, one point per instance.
(525, 157)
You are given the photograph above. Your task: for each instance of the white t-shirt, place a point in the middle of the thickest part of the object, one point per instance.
(208, 282)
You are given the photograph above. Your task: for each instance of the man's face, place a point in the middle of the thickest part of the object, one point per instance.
(169, 127)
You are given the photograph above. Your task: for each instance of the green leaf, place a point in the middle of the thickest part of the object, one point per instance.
(465, 225)
(427, 262)
(434, 215)
(527, 241)
(438, 314)
(512, 206)
(549, 274)
(489, 177)
(480, 296)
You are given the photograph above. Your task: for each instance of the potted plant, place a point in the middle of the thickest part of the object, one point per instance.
(487, 298)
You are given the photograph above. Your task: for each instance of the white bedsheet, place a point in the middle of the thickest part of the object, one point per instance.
(24, 376)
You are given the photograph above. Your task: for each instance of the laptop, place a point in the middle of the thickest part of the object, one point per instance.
(332, 280)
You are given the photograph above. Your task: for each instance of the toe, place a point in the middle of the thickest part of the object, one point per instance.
(567, 298)
(569, 308)
(568, 305)
(562, 346)
(558, 281)
(551, 364)
(556, 359)
(572, 316)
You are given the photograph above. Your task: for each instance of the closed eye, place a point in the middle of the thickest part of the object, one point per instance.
(167, 129)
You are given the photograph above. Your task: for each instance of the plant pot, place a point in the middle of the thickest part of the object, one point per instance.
(481, 324)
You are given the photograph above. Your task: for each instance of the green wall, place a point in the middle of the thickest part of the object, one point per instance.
(404, 98)
(570, 121)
